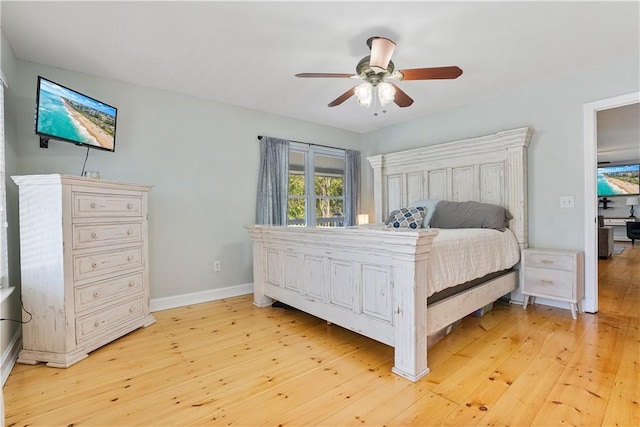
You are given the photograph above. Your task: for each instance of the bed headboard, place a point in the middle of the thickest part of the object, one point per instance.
(487, 169)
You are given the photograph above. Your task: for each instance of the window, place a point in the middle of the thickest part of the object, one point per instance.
(316, 179)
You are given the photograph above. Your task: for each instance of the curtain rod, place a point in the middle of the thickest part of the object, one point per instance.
(309, 143)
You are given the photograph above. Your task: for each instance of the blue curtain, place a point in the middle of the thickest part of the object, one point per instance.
(351, 186)
(273, 182)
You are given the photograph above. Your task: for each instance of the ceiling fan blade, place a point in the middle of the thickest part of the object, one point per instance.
(452, 72)
(401, 99)
(337, 75)
(381, 51)
(339, 100)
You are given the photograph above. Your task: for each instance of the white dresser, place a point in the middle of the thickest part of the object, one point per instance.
(84, 265)
(554, 274)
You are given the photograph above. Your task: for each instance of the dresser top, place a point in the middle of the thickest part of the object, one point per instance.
(57, 179)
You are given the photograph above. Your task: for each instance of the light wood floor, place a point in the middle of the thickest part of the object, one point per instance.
(229, 363)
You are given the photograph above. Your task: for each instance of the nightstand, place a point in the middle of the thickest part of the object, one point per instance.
(554, 274)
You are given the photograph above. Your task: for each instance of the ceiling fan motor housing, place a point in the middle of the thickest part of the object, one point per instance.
(373, 75)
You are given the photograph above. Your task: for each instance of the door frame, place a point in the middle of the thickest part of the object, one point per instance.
(590, 111)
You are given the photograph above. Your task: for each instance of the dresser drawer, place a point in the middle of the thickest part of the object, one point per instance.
(87, 205)
(91, 265)
(551, 283)
(94, 235)
(93, 325)
(99, 293)
(550, 261)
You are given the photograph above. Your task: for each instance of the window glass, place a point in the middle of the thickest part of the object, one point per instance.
(316, 178)
(296, 209)
(328, 187)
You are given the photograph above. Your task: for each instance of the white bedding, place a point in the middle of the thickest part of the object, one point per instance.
(463, 254)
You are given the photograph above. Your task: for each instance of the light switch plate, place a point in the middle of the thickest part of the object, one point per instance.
(567, 201)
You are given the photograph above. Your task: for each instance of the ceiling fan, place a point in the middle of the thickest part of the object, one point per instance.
(377, 67)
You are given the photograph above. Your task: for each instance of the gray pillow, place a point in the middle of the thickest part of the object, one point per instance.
(430, 208)
(470, 215)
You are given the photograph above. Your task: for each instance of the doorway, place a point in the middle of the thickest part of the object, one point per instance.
(590, 110)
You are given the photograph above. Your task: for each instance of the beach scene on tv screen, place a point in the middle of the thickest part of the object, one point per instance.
(66, 114)
(618, 180)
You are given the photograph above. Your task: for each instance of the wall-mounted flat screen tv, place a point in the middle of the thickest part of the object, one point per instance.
(620, 180)
(67, 115)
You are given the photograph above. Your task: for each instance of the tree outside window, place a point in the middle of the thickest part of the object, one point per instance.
(327, 182)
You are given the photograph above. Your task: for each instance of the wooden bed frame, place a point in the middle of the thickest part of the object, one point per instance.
(373, 280)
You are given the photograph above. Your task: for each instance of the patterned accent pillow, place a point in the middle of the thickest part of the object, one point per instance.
(407, 218)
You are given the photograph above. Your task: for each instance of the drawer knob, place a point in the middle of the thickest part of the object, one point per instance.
(95, 295)
(129, 205)
(131, 309)
(94, 264)
(130, 258)
(96, 324)
(94, 235)
(93, 204)
(547, 282)
(547, 261)
(129, 232)
(131, 283)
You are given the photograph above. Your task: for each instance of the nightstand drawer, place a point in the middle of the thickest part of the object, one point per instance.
(551, 283)
(550, 261)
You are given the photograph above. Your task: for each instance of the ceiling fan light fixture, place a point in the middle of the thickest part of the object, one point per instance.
(364, 93)
(386, 93)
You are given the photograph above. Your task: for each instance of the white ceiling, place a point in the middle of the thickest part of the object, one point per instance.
(246, 53)
(619, 134)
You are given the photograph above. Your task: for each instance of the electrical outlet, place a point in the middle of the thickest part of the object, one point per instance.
(567, 201)
(216, 266)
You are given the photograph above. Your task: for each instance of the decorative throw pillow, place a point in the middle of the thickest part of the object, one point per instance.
(407, 218)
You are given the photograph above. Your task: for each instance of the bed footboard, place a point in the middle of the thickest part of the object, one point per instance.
(371, 281)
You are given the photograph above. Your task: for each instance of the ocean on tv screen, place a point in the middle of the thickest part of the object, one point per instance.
(618, 180)
(65, 114)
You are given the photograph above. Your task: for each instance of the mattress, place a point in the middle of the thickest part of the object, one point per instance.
(464, 254)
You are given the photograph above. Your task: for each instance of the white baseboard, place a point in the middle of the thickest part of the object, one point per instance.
(10, 355)
(165, 303)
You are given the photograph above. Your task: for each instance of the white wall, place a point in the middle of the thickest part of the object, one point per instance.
(555, 165)
(201, 156)
(11, 307)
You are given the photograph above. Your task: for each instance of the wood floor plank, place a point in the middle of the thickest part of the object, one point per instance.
(623, 404)
(478, 403)
(579, 396)
(230, 363)
(428, 410)
(228, 373)
(271, 404)
(521, 404)
(484, 355)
